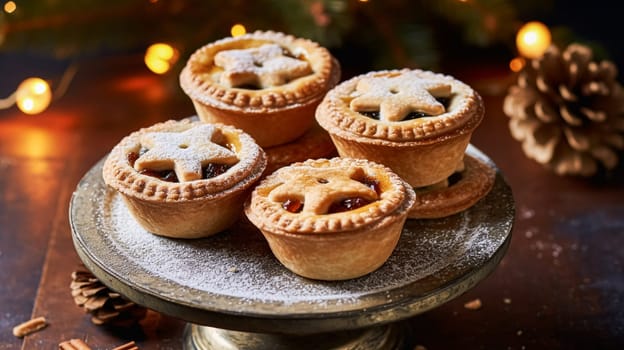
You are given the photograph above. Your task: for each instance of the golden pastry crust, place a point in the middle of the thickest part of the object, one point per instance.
(422, 150)
(201, 77)
(176, 208)
(316, 242)
(304, 179)
(125, 178)
(463, 114)
(475, 182)
(281, 106)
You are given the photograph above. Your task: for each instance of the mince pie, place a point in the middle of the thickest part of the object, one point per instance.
(185, 179)
(331, 219)
(472, 181)
(314, 144)
(265, 83)
(416, 122)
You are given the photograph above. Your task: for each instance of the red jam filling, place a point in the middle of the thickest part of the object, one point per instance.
(293, 205)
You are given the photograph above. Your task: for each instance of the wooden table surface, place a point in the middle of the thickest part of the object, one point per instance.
(560, 286)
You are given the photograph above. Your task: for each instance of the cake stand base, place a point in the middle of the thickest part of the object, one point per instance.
(386, 337)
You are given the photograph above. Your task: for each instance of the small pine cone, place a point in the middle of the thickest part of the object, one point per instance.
(104, 305)
(568, 111)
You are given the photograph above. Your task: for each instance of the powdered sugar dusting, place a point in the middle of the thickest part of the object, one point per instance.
(238, 263)
(235, 271)
(265, 65)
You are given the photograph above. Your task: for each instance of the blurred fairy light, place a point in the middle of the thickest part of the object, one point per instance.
(160, 57)
(517, 64)
(238, 30)
(533, 39)
(33, 96)
(10, 7)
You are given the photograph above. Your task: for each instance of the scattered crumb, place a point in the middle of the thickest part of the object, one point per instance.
(30, 326)
(419, 347)
(519, 332)
(507, 300)
(473, 304)
(74, 344)
(233, 269)
(128, 346)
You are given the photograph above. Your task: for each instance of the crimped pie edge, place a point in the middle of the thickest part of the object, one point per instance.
(335, 115)
(301, 91)
(270, 216)
(477, 181)
(118, 173)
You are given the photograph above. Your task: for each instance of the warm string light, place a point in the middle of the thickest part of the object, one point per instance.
(238, 30)
(33, 96)
(533, 39)
(10, 7)
(160, 57)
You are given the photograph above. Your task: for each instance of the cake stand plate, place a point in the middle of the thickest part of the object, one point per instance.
(235, 295)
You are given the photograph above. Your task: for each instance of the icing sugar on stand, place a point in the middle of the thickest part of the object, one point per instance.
(234, 294)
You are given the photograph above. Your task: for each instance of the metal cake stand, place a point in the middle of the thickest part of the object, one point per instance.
(235, 295)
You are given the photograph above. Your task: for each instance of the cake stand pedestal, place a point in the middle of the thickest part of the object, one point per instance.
(235, 295)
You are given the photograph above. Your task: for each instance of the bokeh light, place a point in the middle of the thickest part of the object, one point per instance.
(238, 30)
(10, 7)
(517, 64)
(33, 95)
(533, 39)
(160, 57)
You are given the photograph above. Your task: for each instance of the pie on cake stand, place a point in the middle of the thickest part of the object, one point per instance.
(235, 295)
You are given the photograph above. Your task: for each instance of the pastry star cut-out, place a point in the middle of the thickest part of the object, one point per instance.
(185, 152)
(264, 66)
(395, 97)
(318, 188)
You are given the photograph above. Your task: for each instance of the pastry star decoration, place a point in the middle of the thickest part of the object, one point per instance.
(318, 188)
(185, 152)
(396, 97)
(264, 66)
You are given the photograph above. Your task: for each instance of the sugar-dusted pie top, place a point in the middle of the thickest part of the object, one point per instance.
(265, 66)
(395, 97)
(259, 71)
(400, 105)
(184, 148)
(320, 184)
(184, 152)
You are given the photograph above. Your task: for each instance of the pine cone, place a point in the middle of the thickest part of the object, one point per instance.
(104, 305)
(568, 111)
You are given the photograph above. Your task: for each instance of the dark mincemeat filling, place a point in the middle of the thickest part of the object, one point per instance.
(352, 203)
(209, 171)
(413, 115)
